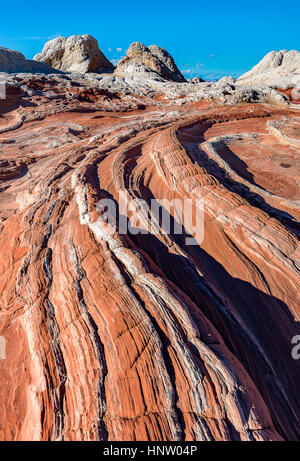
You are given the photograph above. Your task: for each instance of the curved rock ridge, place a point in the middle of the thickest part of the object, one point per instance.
(13, 62)
(277, 68)
(139, 336)
(152, 61)
(78, 54)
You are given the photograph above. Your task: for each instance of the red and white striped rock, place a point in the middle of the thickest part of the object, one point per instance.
(141, 337)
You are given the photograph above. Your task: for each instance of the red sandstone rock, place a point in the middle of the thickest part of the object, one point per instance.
(141, 337)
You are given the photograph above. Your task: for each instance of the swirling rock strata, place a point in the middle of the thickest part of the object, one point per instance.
(141, 337)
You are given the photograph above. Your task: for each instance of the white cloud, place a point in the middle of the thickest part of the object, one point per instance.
(58, 34)
(199, 70)
(37, 37)
(109, 49)
(115, 61)
(119, 50)
(193, 70)
(211, 55)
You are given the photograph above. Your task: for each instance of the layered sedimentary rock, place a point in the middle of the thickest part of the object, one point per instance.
(278, 68)
(151, 61)
(139, 336)
(14, 61)
(78, 53)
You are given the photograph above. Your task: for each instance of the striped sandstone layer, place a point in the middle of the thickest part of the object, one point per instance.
(141, 337)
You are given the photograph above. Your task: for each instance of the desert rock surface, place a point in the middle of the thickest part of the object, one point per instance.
(139, 336)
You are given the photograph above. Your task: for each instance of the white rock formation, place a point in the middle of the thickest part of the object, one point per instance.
(279, 69)
(12, 61)
(78, 53)
(145, 71)
(150, 62)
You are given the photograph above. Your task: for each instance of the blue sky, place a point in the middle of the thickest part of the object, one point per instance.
(206, 38)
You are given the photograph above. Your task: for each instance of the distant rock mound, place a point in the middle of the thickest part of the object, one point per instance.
(196, 80)
(14, 62)
(277, 68)
(227, 79)
(149, 61)
(78, 54)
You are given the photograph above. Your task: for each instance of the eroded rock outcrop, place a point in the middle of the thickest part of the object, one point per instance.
(227, 79)
(280, 69)
(139, 336)
(153, 61)
(196, 80)
(13, 61)
(78, 54)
